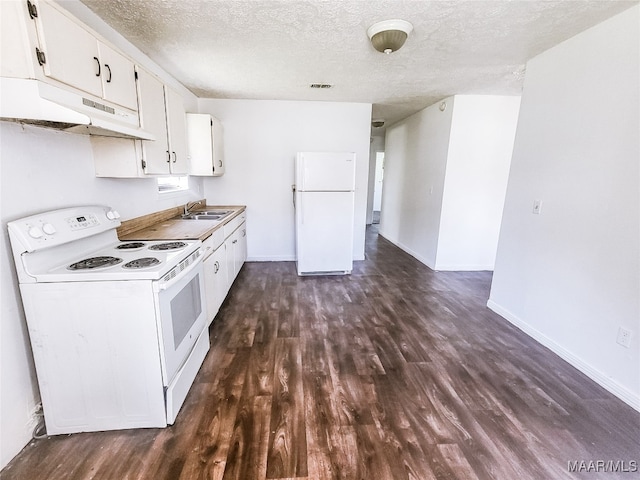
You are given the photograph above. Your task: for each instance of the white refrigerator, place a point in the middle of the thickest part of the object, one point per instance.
(324, 195)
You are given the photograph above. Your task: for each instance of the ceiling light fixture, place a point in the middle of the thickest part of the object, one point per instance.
(389, 35)
(377, 123)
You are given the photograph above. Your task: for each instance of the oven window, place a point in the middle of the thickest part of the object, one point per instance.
(185, 310)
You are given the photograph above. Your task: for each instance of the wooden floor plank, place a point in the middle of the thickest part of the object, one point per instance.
(394, 372)
(287, 453)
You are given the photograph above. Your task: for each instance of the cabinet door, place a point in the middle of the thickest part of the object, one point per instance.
(71, 52)
(237, 251)
(116, 157)
(218, 150)
(242, 240)
(118, 78)
(215, 281)
(204, 145)
(155, 154)
(177, 128)
(229, 247)
(199, 144)
(239, 248)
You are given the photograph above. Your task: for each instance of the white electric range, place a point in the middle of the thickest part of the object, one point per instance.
(117, 329)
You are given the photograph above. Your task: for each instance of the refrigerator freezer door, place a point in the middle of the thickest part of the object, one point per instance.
(324, 233)
(325, 171)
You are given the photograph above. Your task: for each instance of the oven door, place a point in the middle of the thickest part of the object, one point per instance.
(182, 317)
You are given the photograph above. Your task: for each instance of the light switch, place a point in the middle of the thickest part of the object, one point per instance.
(537, 207)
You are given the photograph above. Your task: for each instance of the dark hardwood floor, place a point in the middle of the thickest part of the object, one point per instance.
(395, 372)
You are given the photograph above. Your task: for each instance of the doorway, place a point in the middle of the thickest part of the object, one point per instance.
(377, 187)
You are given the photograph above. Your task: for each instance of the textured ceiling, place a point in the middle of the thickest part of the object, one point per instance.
(274, 49)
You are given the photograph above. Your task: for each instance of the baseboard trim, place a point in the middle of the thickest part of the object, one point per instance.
(464, 268)
(275, 258)
(601, 379)
(406, 249)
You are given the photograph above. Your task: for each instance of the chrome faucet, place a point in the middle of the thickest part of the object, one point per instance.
(189, 206)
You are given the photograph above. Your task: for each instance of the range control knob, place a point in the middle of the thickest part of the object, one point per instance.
(49, 229)
(35, 232)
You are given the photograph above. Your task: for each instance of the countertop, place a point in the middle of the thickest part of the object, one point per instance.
(167, 225)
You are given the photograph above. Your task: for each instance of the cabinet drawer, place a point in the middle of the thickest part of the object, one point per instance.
(230, 227)
(213, 242)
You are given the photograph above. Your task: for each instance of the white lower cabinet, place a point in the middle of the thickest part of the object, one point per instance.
(215, 281)
(237, 251)
(225, 251)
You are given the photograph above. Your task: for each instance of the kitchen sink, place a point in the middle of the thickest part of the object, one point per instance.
(221, 213)
(206, 215)
(199, 216)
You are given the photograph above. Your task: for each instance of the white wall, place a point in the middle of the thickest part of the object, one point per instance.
(482, 134)
(570, 276)
(415, 163)
(261, 138)
(445, 180)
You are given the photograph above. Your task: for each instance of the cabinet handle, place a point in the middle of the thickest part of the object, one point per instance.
(220, 163)
(168, 156)
(175, 157)
(106, 65)
(244, 233)
(98, 63)
(235, 241)
(216, 266)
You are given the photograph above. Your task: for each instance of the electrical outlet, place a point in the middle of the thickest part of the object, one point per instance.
(537, 207)
(624, 337)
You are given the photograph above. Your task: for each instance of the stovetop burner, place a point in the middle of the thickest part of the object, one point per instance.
(168, 246)
(94, 262)
(130, 246)
(142, 263)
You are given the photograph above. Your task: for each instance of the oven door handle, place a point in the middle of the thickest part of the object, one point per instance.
(180, 276)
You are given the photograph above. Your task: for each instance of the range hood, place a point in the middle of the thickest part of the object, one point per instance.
(38, 103)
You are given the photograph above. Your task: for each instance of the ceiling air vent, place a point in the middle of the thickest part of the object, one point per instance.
(320, 85)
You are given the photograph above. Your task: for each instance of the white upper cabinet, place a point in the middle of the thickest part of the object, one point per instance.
(177, 131)
(204, 145)
(118, 78)
(72, 55)
(162, 113)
